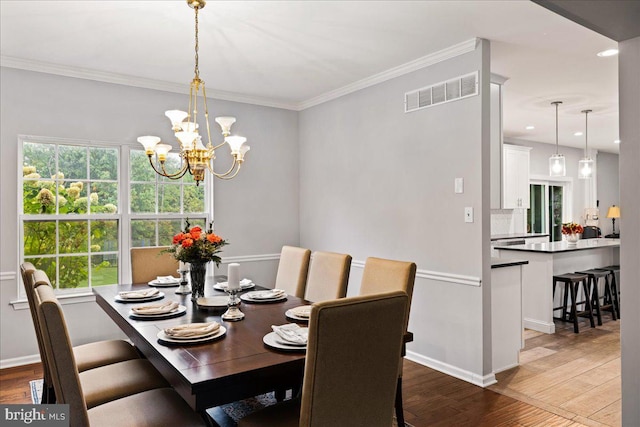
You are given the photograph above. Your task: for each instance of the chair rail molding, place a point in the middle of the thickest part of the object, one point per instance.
(250, 258)
(437, 275)
(8, 275)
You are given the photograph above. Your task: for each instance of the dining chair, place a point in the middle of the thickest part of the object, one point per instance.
(350, 369)
(150, 262)
(88, 356)
(151, 407)
(383, 275)
(292, 270)
(328, 276)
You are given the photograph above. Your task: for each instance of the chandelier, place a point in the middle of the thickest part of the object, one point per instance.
(196, 158)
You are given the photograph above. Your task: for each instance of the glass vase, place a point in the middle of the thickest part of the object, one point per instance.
(198, 275)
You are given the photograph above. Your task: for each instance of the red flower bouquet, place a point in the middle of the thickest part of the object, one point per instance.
(193, 245)
(572, 228)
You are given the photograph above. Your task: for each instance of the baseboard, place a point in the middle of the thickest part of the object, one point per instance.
(19, 361)
(505, 368)
(445, 368)
(537, 325)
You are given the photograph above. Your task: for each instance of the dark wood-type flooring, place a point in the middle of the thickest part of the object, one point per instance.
(564, 379)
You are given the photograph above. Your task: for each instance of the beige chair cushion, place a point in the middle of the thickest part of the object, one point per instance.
(111, 382)
(328, 276)
(149, 263)
(351, 365)
(91, 355)
(154, 408)
(292, 270)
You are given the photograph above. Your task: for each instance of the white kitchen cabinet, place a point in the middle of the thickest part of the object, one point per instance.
(515, 177)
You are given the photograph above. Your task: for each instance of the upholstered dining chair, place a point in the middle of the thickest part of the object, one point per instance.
(328, 276)
(151, 407)
(292, 270)
(350, 370)
(150, 262)
(383, 275)
(87, 356)
(104, 383)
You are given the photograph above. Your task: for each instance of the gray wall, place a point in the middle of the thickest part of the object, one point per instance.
(629, 93)
(375, 181)
(608, 189)
(257, 212)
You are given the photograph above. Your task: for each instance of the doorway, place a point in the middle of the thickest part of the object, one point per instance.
(548, 208)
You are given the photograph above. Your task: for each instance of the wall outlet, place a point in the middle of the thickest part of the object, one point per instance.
(468, 214)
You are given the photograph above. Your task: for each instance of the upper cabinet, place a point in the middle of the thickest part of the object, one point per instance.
(515, 177)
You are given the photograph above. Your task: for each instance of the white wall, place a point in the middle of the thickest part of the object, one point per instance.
(629, 95)
(257, 211)
(376, 181)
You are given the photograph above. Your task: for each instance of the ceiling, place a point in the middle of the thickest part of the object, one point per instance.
(294, 54)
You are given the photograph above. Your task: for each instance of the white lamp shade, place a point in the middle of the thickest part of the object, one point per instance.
(176, 116)
(557, 165)
(199, 144)
(186, 139)
(235, 142)
(149, 143)
(162, 150)
(585, 168)
(189, 126)
(225, 124)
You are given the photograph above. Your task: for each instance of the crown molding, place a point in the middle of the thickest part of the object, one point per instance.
(127, 80)
(425, 61)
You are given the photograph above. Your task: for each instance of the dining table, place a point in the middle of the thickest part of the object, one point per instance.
(236, 366)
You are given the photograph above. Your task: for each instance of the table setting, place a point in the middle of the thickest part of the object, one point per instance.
(143, 295)
(266, 296)
(191, 333)
(244, 285)
(165, 282)
(288, 337)
(156, 311)
(299, 314)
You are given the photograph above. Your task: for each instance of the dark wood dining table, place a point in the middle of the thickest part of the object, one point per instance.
(237, 366)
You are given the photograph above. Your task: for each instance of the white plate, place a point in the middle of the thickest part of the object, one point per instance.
(155, 297)
(272, 340)
(157, 284)
(164, 338)
(179, 312)
(291, 315)
(247, 298)
(213, 302)
(223, 286)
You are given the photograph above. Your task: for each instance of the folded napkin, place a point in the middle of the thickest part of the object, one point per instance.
(291, 333)
(162, 308)
(167, 279)
(302, 311)
(192, 330)
(144, 293)
(243, 283)
(270, 294)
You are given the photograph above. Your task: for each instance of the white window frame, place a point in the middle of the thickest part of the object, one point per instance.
(123, 215)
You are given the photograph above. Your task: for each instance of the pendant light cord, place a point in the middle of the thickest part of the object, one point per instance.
(586, 132)
(556, 103)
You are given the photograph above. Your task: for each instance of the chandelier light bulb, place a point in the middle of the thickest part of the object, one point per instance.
(176, 117)
(225, 124)
(235, 142)
(149, 143)
(162, 150)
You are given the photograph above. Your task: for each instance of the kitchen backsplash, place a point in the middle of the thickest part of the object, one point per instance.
(508, 221)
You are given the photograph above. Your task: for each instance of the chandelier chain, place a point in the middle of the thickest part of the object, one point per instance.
(197, 70)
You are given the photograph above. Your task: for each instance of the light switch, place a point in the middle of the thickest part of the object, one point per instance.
(468, 214)
(459, 185)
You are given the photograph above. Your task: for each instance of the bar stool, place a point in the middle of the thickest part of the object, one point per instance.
(572, 283)
(595, 275)
(613, 271)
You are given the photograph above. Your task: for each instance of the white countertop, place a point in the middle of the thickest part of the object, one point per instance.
(554, 247)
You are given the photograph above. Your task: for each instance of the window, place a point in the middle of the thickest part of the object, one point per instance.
(84, 205)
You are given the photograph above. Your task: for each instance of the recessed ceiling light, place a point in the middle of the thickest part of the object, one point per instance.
(617, 141)
(530, 127)
(578, 134)
(608, 52)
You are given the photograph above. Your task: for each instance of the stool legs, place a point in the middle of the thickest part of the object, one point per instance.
(595, 298)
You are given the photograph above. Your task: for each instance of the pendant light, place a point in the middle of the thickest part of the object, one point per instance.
(585, 166)
(556, 161)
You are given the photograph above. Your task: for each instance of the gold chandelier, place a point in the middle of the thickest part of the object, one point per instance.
(196, 158)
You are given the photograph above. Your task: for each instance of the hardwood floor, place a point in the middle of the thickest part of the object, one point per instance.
(564, 379)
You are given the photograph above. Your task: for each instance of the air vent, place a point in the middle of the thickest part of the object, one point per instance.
(439, 93)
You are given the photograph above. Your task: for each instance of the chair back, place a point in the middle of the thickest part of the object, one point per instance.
(384, 275)
(292, 270)
(328, 276)
(66, 380)
(353, 353)
(148, 263)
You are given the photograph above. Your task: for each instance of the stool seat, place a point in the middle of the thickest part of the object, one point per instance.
(572, 282)
(597, 272)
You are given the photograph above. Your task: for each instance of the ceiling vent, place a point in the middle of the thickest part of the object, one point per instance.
(439, 93)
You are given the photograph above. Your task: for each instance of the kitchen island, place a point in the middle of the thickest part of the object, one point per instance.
(548, 259)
